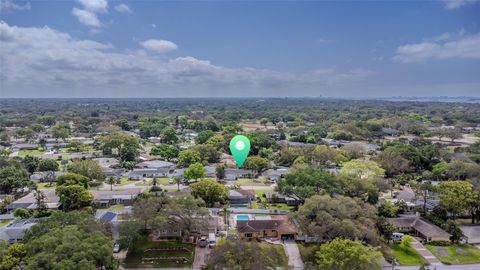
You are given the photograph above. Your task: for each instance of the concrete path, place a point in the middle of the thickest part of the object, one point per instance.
(294, 260)
(201, 255)
(431, 259)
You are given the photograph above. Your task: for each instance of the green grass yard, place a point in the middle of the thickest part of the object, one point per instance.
(45, 185)
(407, 256)
(251, 182)
(456, 254)
(35, 152)
(261, 192)
(134, 257)
(4, 222)
(117, 207)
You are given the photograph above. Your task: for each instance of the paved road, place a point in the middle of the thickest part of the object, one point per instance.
(293, 254)
(200, 256)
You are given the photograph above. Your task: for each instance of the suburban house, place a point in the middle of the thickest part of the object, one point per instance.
(104, 199)
(471, 233)
(29, 202)
(234, 174)
(421, 227)
(24, 146)
(107, 162)
(272, 227)
(50, 176)
(241, 196)
(15, 231)
(275, 197)
(275, 175)
(155, 164)
(138, 174)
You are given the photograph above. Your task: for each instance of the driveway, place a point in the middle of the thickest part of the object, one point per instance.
(431, 259)
(293, 254)
(201, 255)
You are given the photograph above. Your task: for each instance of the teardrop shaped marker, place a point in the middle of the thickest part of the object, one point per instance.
(240, 147)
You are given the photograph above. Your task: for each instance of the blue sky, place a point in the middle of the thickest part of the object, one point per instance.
(100, 48)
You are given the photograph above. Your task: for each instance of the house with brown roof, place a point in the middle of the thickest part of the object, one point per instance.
(420, 227)
(274, 227)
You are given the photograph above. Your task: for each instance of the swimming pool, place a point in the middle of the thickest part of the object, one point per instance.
(243, 217)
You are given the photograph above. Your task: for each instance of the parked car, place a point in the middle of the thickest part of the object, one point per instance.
(203, 241)
(116, 248)
(397, 237)
(211, 240)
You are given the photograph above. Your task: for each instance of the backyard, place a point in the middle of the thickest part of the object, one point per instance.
(455, 254)
(4, 222)
(406, 255)
(147, 253)
(251, 182)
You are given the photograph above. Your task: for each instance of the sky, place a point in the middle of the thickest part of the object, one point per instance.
(149, 48)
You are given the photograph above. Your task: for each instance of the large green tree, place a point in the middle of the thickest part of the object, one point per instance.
(345, 254)
(13, 178)
(456, 196)
(195, 171)
(74, 197)
(48, 164)
(88, 168)
(187, 158)
(165, 151)
(210, 191)
(328, 217)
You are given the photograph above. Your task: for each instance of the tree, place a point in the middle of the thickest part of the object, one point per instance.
(328, 218)
(423, 190)
(455, 195)
(61, 131)
(220, 172)
(187, 213)
(82, 250)
(208, 153)
(74, 197)
(48, 164)
(363, 169)
(145, 209)
(236, 254)
(204, 136)
(165, 151)
(40, 202)
(130, 232)
(169, 135)
(177, 181)
(13, 178)
(210, 191)
(30, 163)
(111, 181)
(344, 254)
(393, 163)
(88, 168)
(195, 171)
(187, 158)
(256, 163)
(73, 179)
(13, 256)
(452, 228)
(406, 242)
(387, 209)
(217, 141)
(306, 182)
(120, 145)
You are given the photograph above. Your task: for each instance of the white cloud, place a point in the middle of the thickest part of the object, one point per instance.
(454, 4)
(154, 25)
(86, 17)
(46, 62)
(94, 5)
(160, 46)
(9, 5)
(442, 47)
(123, 8)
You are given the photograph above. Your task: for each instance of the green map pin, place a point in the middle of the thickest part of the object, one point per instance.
(240, 146)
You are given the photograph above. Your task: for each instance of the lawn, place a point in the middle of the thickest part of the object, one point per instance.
(45, 185)
(407, 256)
(23, 153)
(277, 206)
(456, 254)
(261, 192)
(134, 257)
(4, 222)
(251, 182)
(117, 207)
(124, 181)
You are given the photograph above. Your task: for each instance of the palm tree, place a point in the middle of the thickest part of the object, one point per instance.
(177, 180)
(111, 181)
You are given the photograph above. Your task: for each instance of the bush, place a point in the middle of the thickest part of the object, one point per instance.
(440, 243)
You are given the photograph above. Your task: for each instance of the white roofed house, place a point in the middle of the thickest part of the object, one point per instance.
(15, 231)
(105, 199)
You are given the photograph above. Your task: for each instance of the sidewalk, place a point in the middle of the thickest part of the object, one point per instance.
(431, 259)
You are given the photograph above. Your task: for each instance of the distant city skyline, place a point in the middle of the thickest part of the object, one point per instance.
(344, 49)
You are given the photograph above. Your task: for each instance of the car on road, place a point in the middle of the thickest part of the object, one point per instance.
(116, 248)
(211, 240)
(203, 242)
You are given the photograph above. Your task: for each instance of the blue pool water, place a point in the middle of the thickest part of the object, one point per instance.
(243, 217)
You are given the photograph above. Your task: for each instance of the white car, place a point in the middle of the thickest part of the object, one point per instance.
(116, 248)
